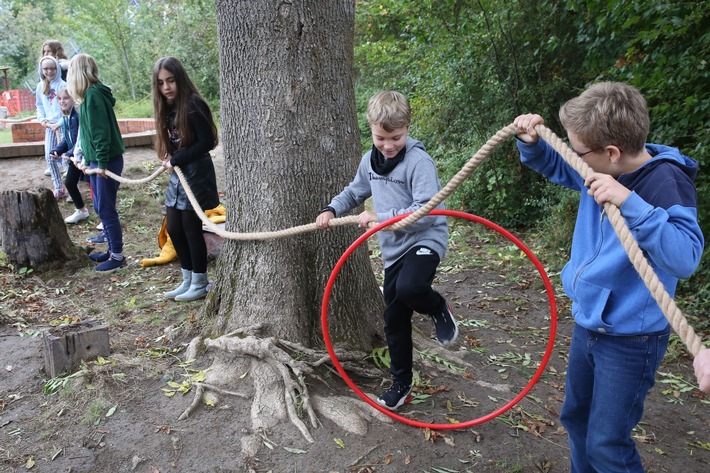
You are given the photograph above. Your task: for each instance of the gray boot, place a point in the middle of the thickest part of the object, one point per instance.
(198, 288)
(182, 288)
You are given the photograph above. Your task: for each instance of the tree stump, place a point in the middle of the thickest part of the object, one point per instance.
(33, 231)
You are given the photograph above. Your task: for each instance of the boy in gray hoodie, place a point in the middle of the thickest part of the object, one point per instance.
(400, 177)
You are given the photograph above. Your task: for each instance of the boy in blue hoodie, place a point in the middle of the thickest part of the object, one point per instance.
(620, 333)
(400, 177)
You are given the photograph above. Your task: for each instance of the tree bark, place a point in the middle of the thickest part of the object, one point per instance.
(33, 230)
(291, 142)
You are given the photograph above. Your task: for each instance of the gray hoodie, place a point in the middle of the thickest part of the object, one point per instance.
(406, 188)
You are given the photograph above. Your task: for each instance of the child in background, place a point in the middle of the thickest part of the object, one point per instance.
(49, 114)
(400, 177)
(620, 333)
(185, 135)
(65, 149)
(102, 147)
(54, 48)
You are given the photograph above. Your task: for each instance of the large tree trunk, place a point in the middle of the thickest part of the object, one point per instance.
(33, 231)
(291, 142)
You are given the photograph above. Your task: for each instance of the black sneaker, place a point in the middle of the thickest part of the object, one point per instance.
(446, 329)
(96, 239)
(395, 396)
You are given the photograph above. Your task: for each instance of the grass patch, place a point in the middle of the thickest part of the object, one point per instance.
(5, 135)
(141, 108)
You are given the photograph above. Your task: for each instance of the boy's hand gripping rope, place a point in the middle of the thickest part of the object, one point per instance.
(665, 301)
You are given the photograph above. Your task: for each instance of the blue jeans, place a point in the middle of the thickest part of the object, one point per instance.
(105, 194)
(608, 378)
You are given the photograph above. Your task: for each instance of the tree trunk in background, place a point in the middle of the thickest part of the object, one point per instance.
(291, 142)
(33, 230)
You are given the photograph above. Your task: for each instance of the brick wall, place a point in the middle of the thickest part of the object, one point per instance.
(135, 125)
(32, 131)
(27, 132)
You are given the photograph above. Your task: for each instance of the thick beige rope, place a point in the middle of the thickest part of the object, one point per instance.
(485, 150)
(124, 180)
(667, 304)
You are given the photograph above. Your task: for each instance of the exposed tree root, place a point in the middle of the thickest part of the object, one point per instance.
(200, 391)
(286, 395)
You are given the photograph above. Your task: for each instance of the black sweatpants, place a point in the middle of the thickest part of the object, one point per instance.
(71, 182)
(407, 289)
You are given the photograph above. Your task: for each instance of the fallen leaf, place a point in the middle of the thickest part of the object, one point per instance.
(111, 411)
(294, 450)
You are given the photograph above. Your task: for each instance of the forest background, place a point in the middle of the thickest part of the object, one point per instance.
(468, 67)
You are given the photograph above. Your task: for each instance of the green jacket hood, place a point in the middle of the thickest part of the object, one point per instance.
(106, 92)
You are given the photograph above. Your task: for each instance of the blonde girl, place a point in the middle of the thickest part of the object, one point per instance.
(102, 146)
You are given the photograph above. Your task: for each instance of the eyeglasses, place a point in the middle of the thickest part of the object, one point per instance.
(581, 155)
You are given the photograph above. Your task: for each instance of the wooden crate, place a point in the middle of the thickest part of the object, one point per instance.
(65, 347)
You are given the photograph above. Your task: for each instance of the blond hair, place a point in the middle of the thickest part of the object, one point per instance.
(390, 110)
(608, 113)
(83, 73)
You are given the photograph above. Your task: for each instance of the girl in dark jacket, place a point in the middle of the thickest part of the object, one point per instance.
(185, 134)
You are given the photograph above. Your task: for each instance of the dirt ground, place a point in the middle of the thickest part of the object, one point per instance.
(115, 416)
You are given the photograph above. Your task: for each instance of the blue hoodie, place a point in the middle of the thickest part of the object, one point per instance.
(405, 188)
(48, 105)
(608, 295)
(70, 132)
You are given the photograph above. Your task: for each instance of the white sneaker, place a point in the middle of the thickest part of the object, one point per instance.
(47, 172)
(100, 226)
(77, 216)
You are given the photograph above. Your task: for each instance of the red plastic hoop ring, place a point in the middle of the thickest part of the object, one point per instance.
(462, 425)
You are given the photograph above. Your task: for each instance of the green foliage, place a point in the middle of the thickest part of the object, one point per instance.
(59, 383)
(139, 109)
(662, 48)
(125, 38)
(380, 356)
(468, 70)
(19, 43)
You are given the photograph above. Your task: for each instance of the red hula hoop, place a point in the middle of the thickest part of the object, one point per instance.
(462, 425)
